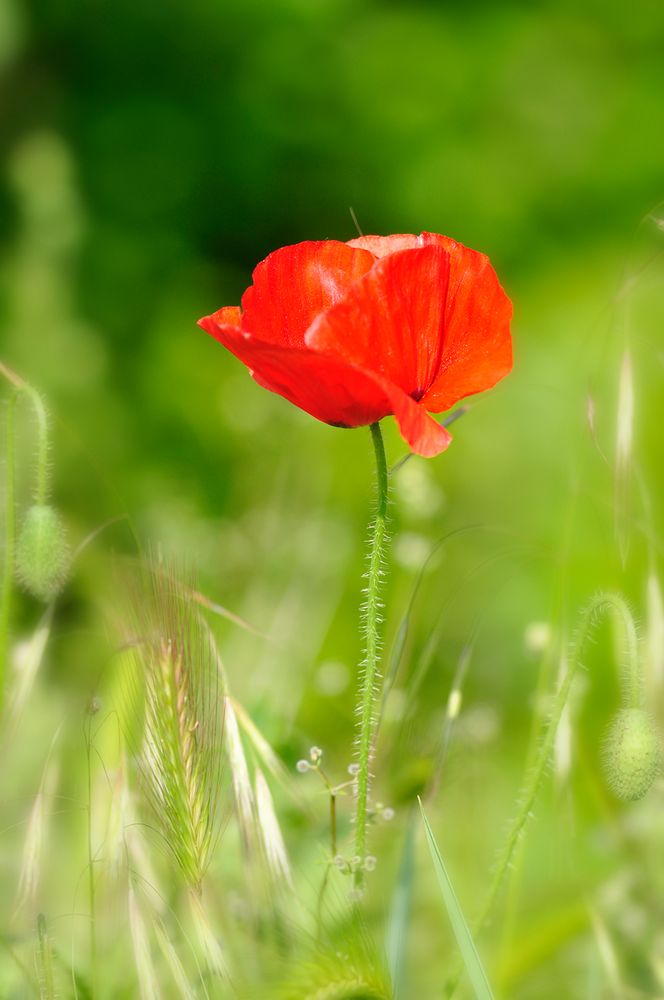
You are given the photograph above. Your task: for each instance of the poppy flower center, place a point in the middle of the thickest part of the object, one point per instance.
(417, 394)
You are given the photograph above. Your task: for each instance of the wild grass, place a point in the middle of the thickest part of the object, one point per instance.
(160, 841)
(174, 716)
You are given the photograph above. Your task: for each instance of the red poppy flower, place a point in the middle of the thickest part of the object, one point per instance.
(351, 332)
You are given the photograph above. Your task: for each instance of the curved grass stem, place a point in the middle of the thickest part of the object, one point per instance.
(42, 484)
(91, 862)
(10, 544)
(631, 681)
(19, 387)
(369, 681)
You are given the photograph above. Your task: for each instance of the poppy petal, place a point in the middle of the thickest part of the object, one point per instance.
(294, 284)
(477, 347)
(328, 388)
(381, 246)
(424, 435)
(226, 316)
(391, 320)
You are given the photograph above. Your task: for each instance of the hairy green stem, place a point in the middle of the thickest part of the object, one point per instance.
(631, 681)
(368, 689)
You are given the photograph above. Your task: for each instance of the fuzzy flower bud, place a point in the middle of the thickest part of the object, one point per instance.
(43, 558)
(631, 754)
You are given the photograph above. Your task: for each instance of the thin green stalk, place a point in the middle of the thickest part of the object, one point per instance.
(366, 714)
(333, 842)
(45, 961)
(10, 544)
(333, 825)
(91, 873)
(630, 677)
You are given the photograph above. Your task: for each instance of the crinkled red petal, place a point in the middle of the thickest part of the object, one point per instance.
(226, 316)
(477, 346)
(328, 388)
(424, 435)
(296, 283)
(391, 320)
(331, 389)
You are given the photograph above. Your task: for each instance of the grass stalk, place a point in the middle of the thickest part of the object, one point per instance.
(369, 682)
(630, 676)
(10, 544)
(92, 903)
(46, 978)
(19, 386)
(42, 484)
(598, 606)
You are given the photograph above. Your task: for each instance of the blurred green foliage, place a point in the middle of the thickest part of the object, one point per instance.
(153, 153)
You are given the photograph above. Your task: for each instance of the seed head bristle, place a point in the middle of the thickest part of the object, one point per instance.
(145, 971)
(272, 837)
(243, 792)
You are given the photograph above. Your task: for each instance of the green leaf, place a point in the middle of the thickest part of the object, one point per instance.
(462, 933)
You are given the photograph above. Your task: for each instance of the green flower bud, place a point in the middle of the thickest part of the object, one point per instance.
(631, 754)
(42, 553)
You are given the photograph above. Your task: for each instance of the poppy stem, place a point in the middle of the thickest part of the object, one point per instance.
(370, 678)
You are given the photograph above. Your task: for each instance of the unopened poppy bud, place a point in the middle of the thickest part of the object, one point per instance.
(631, 754)
(42, 553)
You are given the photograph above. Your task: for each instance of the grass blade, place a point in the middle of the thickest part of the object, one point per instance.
(397, 930)
(462, 933)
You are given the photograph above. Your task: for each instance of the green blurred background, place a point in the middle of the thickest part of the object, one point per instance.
(152, 154)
